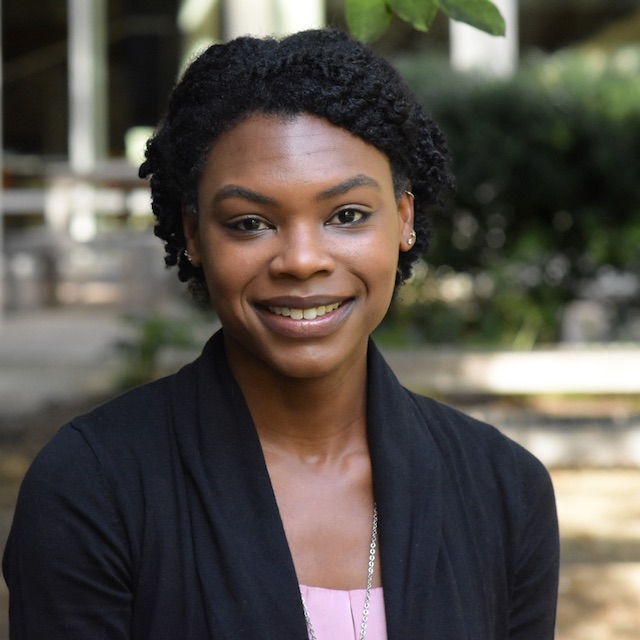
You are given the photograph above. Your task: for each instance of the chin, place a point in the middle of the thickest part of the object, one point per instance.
(305, 368)
(313, 362)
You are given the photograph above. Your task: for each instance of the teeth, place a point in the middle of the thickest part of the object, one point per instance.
(304, 314)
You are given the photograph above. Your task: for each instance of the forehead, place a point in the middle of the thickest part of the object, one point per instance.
(273, 149)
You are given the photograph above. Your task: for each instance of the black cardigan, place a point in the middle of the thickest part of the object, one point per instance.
(153, 518)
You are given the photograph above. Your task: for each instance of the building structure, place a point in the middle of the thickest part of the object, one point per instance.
(85, 81)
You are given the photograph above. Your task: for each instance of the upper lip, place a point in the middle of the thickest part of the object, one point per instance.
(301, 302)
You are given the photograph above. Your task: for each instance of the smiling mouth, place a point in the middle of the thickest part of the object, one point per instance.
(305, 314)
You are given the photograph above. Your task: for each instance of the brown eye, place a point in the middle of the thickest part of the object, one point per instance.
(348, 216)
(251, 224)
(248, 225)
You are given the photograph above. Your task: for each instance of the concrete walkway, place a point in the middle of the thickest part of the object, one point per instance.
(62, 355)
(56, 356)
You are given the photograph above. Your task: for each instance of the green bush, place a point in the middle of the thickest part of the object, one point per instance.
(154, 333)
(548, 171)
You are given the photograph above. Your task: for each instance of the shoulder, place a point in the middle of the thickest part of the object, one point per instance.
(477, 454)
(136, 419)
(458, 432)
(467, 447)
(492, 472)
(110, 442)
(129, 412)
(101, 469)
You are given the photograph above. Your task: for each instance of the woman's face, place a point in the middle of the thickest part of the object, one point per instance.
(298, 234)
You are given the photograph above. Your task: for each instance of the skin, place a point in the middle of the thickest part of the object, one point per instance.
(298, 214)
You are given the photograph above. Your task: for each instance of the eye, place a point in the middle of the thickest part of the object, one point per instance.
(249, 224)
(348, 216)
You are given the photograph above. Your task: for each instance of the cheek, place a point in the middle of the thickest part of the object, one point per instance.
(223, 272)
(378, 265)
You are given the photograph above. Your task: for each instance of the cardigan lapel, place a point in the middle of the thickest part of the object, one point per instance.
(247, 576)
(407, 484)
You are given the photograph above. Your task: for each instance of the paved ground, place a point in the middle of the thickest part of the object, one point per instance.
(56, 356)
(599, 508)
(600, 581)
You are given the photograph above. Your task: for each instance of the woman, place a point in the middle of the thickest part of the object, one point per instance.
(284, 485)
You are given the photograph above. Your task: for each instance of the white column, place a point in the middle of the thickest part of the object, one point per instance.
(2, 255)
(87, 84)
(248, 17)
(298, 15)
(199, 22)
(271, 17)
(474, 50)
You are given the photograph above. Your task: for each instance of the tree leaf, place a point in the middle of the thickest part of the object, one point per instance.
(420, 13)
(367, 19)
(481, 14)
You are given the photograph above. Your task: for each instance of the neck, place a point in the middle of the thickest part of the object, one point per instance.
(316, 419)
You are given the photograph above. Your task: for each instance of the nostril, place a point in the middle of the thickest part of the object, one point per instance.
(302, 259)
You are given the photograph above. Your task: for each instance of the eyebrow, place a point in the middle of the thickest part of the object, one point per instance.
(341, 188)
(236, 191)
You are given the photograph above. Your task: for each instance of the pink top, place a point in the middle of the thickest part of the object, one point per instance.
(337, 615)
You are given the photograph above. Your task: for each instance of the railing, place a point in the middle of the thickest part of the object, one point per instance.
(68, 211)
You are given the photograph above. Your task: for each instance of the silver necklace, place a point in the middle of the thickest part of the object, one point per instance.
(367, 597)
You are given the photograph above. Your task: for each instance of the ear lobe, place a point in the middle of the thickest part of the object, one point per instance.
(405, 221)
(192, 238)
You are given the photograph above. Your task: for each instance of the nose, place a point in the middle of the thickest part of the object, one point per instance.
(302, 252)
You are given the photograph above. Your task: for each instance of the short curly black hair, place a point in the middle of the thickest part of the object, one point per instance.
(325, 73)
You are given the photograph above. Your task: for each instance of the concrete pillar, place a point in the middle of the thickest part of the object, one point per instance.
(203, 22)
(199, 23)
(248, 17)
(88, 125)
(271, 17)
(2, 254)
(298, 15)
(474, 50)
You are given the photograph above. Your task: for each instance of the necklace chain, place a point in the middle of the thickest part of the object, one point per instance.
(367, 597)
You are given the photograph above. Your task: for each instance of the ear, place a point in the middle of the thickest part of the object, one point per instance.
(405, 221)
(192, 237)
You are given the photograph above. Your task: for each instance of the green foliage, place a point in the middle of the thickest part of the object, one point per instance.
(482, 14)
(153, 334)
(548, 168)
(369, 19)
(419, 13)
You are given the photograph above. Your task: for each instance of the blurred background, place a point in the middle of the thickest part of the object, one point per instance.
(527, 312)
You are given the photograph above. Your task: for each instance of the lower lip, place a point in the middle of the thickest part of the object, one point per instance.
(317, 328)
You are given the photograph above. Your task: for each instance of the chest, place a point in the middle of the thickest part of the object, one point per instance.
(328, 522)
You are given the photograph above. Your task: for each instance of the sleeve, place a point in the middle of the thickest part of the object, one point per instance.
(66, 562)
(535, 587)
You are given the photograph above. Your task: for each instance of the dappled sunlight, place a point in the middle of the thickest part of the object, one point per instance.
(579, 369)
(599, 515)
(600, 506)
(600, 602)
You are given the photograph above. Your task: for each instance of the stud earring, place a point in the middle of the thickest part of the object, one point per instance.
(412, 238)
(188, 256)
